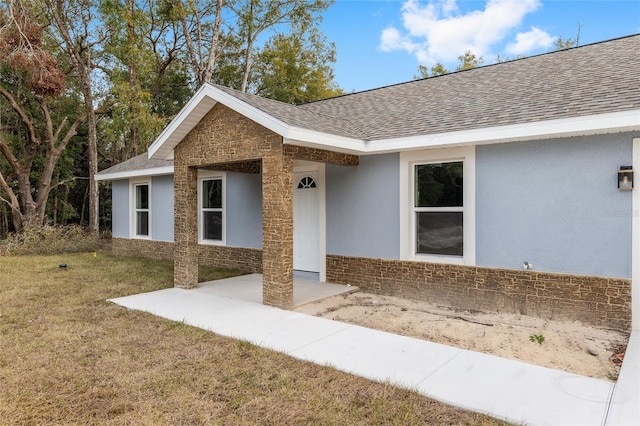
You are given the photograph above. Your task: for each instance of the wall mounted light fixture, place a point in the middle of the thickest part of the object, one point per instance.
(625, 178)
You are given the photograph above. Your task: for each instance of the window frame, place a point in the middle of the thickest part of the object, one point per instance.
(408, 210)
(133, 210)
(206, 175)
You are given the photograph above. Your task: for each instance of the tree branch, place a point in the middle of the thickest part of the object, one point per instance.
(71, 132)
(13, 161)
(14, 204)
(66, 181)
(23, 116)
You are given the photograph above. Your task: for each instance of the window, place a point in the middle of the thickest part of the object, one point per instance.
(438, 208)
(306, 182)
(437, 205)
(212, 215)
(141, 219)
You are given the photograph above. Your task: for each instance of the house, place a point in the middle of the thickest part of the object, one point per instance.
(501, 188)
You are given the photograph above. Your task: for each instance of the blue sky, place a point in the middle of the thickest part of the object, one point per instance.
(382, 42)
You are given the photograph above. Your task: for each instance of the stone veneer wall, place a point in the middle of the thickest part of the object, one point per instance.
(224, 136)
(604, 302)
(247, 259)
(142, 248)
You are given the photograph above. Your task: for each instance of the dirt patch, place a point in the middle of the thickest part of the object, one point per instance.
(568, 346)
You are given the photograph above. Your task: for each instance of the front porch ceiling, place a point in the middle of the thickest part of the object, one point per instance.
(321, 155)
(247, 166)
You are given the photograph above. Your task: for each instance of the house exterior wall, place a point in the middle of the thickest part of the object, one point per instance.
(244, 210)
(120, 208)
(555, 204)
(162, 208)
(363, 208)
(552, 203)
(530, 197)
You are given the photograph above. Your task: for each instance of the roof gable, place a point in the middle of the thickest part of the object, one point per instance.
(289, 121)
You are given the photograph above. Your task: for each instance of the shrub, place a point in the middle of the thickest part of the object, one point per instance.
(49, 239)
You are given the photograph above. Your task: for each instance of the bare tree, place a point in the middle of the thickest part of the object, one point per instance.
(81, 36)
(201, 24)
(255, 17)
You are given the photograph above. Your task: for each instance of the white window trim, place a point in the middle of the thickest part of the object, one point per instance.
(209, 175)
(408, 160)
(133, 183)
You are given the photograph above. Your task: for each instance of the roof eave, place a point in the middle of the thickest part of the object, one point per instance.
(615, 122)
(157, 171)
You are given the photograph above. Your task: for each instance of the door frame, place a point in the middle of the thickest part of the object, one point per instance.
(300, 166)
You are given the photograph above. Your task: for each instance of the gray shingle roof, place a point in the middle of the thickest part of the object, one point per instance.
(592, 79)
(588, 80)
(139, 162)
(298, 116)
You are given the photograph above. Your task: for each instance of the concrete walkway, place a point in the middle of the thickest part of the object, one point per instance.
(506, 389)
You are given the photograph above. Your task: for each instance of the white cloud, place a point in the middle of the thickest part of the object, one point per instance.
(391, 39)
(530, 41)
(438, 32)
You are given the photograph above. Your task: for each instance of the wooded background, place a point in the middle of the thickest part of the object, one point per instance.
(87, 84)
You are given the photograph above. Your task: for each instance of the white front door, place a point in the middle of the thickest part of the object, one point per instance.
(306, 223)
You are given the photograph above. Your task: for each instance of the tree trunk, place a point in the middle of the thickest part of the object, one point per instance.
(93, 167)
(80, 50)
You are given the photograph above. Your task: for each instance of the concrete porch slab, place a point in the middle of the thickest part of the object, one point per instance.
(249, 288)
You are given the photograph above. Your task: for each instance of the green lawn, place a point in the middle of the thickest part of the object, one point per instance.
(67, 356)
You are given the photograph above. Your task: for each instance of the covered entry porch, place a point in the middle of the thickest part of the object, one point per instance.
(225, 141)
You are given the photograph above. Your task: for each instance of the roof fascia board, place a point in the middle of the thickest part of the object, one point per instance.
(566, 127)
(323, 140)
(251, 112)
(168, 139)
(157, 171)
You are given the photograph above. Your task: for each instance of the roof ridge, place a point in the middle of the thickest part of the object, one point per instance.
(457, 72)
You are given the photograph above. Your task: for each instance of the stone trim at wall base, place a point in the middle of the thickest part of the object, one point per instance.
(149, 249)
(597, 301)
(247, 259)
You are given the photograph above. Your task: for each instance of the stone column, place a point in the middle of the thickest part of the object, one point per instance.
(185, 261)
(277, 229)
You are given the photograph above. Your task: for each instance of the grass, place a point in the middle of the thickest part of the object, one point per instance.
(67, 356)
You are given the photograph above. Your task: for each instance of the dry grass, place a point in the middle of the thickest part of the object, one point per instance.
(48, 240)
(69, 357)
